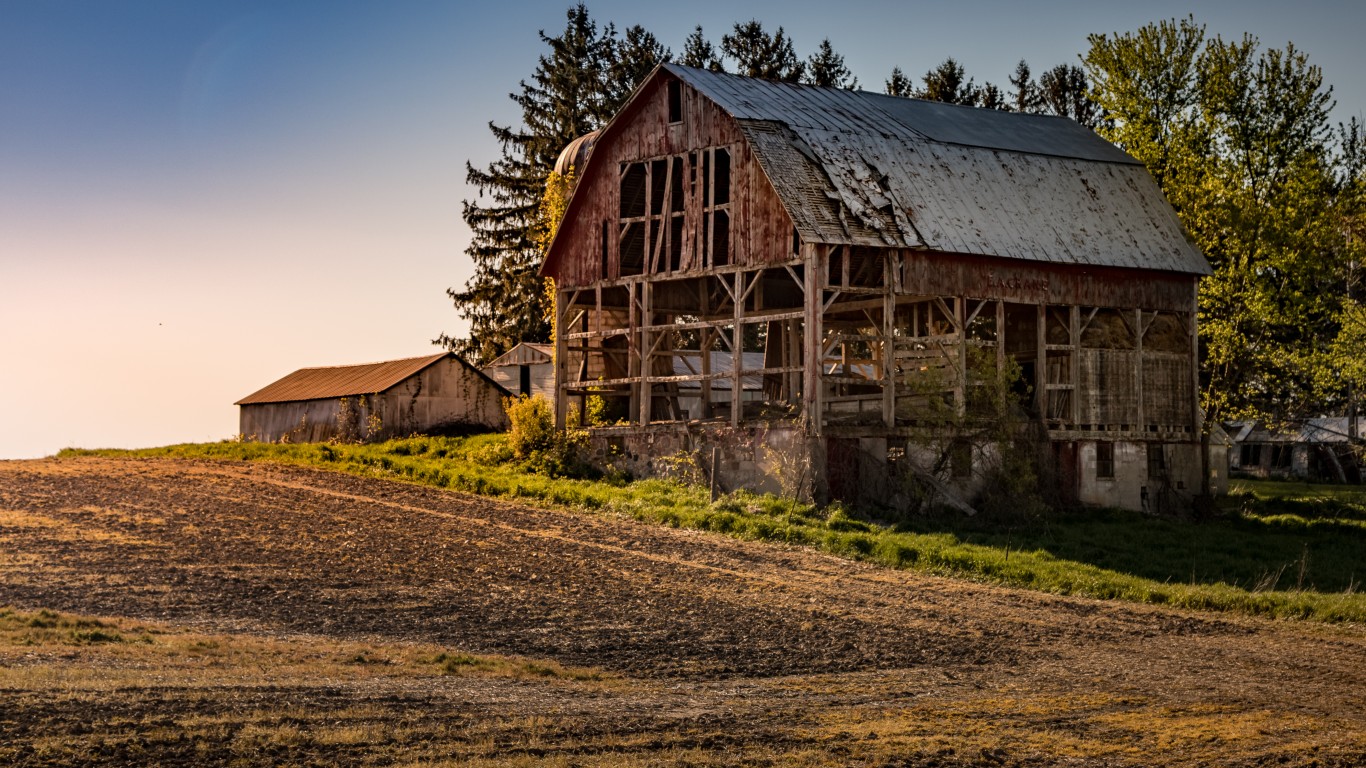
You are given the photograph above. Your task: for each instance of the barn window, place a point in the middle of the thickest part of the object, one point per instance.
(524, 376)
(634, 199)
(1105, 461)
(655, 233)
(1251, 456)
(675, 101)
(716, 205)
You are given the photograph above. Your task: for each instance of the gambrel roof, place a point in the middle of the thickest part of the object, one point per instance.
(860, 168)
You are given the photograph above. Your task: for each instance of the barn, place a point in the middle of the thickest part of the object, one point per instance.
(526, 369)
(374, 401)
(874, 260)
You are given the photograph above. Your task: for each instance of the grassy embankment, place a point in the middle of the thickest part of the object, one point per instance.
(1278, 550)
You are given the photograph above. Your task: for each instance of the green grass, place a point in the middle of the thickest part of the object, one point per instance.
(1278, 550)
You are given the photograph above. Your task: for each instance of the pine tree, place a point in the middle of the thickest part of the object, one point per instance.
(699, 52)
(504, 300)
(949, 83)
(1025, 97)
(826, 68)
(756, 53)
(899, 85)
(633, 58)
(991, 97)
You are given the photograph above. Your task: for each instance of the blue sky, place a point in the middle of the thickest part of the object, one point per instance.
(197, 198)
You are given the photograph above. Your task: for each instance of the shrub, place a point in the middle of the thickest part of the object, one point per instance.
(542, 448)
(533, 425)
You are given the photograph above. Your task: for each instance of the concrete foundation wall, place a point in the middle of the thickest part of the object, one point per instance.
(763, 459)
(862, 470)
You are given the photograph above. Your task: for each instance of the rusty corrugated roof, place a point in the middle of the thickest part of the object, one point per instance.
(340, 380)
(858, 168)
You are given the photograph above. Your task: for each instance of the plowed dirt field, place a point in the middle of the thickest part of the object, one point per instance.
(274, 615)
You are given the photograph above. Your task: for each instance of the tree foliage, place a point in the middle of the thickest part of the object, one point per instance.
(576, 87)
(1239, 138)
(700, 53)
(1063, 91)
(950, 84)
(756, 53)
(826, 68)
(899, 85)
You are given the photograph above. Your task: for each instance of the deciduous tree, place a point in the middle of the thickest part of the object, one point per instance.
(1240, 141)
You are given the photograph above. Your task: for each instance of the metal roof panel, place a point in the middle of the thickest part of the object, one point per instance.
(340, 380)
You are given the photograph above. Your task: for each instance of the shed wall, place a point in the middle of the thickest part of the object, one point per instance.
(444, 395)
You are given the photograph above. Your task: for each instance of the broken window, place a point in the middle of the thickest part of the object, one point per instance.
(655, 235)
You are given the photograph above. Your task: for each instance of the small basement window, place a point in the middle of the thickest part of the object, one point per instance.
(675, 101)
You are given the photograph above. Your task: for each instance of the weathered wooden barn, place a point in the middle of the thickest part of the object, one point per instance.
(526, 369)
(876, 252)
(374, 401)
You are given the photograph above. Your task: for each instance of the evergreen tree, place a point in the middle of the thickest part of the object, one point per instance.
(756, 53)
(1025, 97)
(826, 68)
(949, 83)
(990, 97)
(504, 300)
(899, 85)
(699, 52)
(633, 58)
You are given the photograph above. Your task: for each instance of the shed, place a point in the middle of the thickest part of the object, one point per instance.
(899, 243)
(374, 401)
(1325, 449)
(526, 369)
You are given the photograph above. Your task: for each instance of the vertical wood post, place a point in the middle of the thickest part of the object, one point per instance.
(646, 319)
(1074, 332)
(633, 351)
(888, 342)
(561, 359)
(1041, 363)
(960, 395)
(1138, 370)
(737, 349)
(813, 354)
